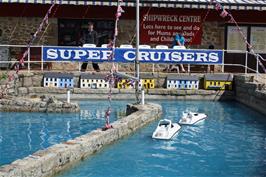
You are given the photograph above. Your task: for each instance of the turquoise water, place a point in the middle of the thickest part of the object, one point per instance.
(231, 142)
(22, 134)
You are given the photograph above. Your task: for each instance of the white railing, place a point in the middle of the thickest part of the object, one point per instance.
(28, 61)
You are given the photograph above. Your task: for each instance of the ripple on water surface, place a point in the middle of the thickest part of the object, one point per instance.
(231, 142)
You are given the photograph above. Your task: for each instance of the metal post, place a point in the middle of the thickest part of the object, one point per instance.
(137, 52)
(28, 59)
(68, 96)
(79, 66)
(142, 97)
(188, 68)
(152, 68)
(223, 63)
(257, 66)
(246, 63)
(42, 59)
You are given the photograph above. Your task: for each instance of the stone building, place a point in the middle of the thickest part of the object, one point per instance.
(203, 26)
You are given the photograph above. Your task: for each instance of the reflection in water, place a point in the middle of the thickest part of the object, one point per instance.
(231, 142)
(42, 135)
(22, 133)
(28, 135)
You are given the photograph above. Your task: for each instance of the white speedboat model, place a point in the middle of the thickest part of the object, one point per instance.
(166, 130)
(192, 118)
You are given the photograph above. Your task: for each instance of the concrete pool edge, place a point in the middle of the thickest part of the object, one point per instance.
(61, 156)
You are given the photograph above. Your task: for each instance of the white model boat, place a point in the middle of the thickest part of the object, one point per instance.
(192, 118)
(166, 130)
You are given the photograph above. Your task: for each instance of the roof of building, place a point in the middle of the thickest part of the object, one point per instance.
(146, 76)
(182, 77)
(219, 77)
(195, 4)
(92, 76)
(58, 75)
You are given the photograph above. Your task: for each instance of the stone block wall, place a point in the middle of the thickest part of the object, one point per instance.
(18, 30)
(61, 156)
(250, 93)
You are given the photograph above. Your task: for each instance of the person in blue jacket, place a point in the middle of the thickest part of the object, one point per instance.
(179, 40)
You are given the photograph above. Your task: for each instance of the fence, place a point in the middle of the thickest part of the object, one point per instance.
(245, 61)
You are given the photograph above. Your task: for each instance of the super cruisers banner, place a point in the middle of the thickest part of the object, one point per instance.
(123, 55)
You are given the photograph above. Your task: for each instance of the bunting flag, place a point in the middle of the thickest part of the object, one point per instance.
(20, 63)
(225, 14)
(111, 77)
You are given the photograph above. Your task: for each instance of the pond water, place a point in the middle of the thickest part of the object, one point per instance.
(231, 142)
(22, 134)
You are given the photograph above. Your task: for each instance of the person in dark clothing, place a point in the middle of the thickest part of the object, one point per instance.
(210, 68)
(90, 36)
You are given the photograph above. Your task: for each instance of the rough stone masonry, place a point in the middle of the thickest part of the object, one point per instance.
(61, 156)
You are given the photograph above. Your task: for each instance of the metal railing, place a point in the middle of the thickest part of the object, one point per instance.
(20, 49)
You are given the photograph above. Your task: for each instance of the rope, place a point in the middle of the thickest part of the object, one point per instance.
(14, 29)
(201, 25)
(111, 77)
(13, 76)
(226, 14)
(48, 24)
(142, 21)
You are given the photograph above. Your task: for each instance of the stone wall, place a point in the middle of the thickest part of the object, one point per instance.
(30, 85)
(251, 93)
(18, 30)
(36, 104)
(61, 156)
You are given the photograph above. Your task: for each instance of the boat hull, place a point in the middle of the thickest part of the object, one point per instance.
(194, 120)
(162, 133)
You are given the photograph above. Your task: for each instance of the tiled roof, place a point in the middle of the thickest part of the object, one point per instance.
(92, 76)
(183, 77)
(58, 75)
(219, 77)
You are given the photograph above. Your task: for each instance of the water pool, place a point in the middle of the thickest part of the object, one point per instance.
(22, 134)
(231, 142)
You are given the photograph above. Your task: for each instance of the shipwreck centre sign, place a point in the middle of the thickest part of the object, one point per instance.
(124, 55)
(159, 27)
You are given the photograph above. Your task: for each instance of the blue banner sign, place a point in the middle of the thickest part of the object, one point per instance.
(123, 55)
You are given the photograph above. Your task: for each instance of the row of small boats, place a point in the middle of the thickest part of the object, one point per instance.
(166, 129)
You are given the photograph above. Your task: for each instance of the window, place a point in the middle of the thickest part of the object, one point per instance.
(46, 79)
(105, 85)
(219, 83)
(235, 40)
(100, 85)
(258, 39)
(46, 84)
(83, 85)
(196, 86)
(89, 85)
(210, 83)
(92, 80)
(169, 86)
(55, 84)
